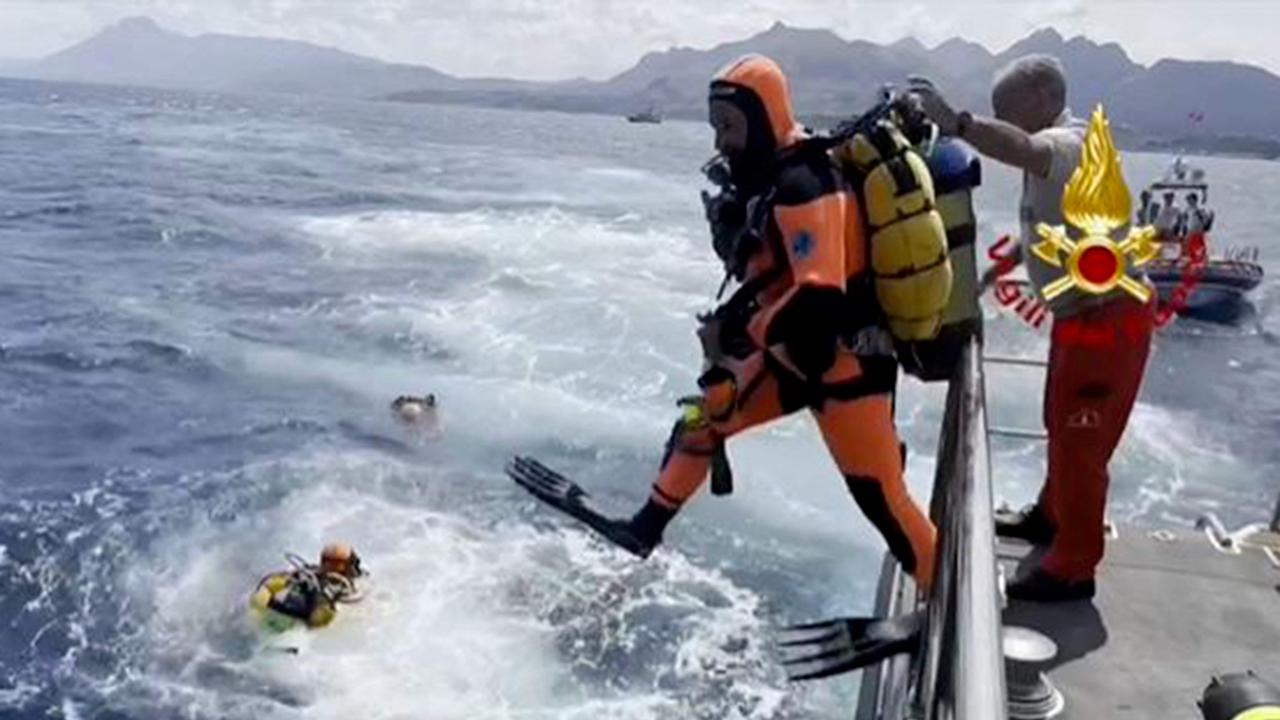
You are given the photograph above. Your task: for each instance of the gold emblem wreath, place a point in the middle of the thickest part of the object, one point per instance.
(1096, 202)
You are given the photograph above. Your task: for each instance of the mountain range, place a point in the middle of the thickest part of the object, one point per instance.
(829, 76)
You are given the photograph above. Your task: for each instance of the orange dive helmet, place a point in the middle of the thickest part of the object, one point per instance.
(340, 558)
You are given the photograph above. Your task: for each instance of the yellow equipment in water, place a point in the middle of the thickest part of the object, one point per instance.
(909, 262)
(307, 595)
(274, 604)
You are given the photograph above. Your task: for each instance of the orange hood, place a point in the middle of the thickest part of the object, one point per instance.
(763, 77)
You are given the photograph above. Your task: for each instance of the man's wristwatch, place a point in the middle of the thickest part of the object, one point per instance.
(963, 118)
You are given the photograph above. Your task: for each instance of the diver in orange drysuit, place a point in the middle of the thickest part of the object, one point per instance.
(802, 331)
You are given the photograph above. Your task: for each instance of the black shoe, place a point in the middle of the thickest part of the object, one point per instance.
(1028, 524)
(1040, 586)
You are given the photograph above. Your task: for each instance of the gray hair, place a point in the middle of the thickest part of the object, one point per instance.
(1043, 72)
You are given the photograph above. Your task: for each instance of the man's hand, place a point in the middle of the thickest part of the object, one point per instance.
(724, 339)
(933, 104)
(989, 279)
(1004, 263)
(992, 137)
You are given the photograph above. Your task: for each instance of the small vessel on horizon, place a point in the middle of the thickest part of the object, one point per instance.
(650, 116)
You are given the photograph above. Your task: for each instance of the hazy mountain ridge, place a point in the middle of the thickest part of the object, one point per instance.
(137, 51)
(830, 76)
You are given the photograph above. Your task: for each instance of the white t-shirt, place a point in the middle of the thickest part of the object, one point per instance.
(1042, 203)
(1198, 220)
(1168, 220)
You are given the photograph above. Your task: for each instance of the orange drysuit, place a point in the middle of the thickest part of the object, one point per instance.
(809, 278)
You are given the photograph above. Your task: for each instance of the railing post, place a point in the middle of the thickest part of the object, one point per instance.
(959, 671)
(978, 665)
(1275, 519)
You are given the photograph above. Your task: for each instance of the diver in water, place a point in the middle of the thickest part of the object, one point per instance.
(418, 413)
(803, 331)
(309, 593)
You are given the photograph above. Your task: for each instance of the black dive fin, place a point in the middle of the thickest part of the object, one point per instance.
(566, 496)
(822, 649)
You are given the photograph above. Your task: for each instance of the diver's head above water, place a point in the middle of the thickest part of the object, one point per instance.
(410, 409)
(340, 559)
(749, 107)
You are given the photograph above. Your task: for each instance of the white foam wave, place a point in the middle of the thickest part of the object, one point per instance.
(464, 618)
(575, 304)
(1169, 454)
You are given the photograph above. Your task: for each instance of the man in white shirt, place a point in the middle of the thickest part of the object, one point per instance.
(1169, 221)
(1199, 219)
(1087, 400)
(1169, 225)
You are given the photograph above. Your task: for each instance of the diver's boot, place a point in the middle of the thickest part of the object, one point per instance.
(1028, 524)
(639, 535)
(644, 530)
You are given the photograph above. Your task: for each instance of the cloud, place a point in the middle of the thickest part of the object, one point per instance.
(1054, 11)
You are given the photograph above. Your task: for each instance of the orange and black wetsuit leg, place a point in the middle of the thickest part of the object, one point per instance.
(856, 420)
(754, 401)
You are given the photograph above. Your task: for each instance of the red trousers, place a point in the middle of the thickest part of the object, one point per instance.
(1096, 362)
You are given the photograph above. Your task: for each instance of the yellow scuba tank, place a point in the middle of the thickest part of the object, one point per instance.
(907, 244)
(260, 604)
(956, 170)
(279, 586)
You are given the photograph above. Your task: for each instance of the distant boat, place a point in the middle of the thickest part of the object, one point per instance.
(1220, 293)
(647, 116)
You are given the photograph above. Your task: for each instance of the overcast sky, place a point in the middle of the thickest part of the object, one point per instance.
(552, 39)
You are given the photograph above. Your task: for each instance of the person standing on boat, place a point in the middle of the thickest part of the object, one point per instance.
(1146, 211)
(1087, 401)
(1199, 219)
(1170, 221)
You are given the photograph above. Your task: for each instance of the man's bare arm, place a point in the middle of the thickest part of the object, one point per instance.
(994, 138)
(1009, 144)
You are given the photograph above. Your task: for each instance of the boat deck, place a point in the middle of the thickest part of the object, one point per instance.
(1171, 612)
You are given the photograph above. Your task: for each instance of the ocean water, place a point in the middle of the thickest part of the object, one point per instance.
(208, 302)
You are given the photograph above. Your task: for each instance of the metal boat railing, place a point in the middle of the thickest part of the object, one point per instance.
(958, 671)
(1275, 519)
